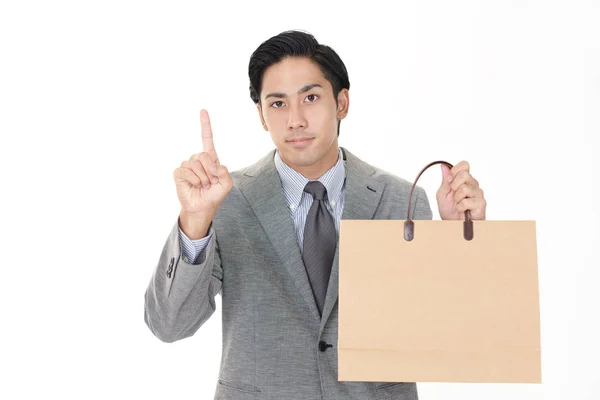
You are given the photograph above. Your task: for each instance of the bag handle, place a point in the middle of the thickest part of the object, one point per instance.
(409, 225)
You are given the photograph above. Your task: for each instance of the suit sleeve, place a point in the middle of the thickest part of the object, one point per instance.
(181, 296)
(422, 207)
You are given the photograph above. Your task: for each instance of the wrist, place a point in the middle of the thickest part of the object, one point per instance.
(195, 226)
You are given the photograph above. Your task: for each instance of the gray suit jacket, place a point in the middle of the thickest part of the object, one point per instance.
(275, 345)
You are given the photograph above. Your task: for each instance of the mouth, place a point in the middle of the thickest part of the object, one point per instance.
(300, 142)
(300, 139)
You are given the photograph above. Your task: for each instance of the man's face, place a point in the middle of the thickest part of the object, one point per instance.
(298, 109)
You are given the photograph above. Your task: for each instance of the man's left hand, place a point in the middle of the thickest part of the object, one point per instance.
(460, 192)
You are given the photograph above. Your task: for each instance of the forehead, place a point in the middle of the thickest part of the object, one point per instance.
(292, 73)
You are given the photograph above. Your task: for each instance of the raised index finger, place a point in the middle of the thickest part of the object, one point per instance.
(207, 135)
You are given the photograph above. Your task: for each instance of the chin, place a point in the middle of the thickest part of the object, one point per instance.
(301, 158)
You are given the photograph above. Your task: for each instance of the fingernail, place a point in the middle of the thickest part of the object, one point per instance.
(214, 179)
(207, 186)
(449, 178)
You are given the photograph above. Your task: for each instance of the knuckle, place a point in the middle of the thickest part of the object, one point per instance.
(199, 169)
(195, 164)
(189, 174)
(455, 182)
(206, 176)
(205, 158)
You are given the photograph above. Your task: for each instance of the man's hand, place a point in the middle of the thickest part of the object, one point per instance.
(202, 184)
(460, 192)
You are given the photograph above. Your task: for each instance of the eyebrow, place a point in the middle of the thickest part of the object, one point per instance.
(304, 89)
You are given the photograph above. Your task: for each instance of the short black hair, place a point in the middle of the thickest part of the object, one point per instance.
(296, 44)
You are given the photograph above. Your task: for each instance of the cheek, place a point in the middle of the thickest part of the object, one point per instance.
(324, 116)
(277, 126)
(275, 119)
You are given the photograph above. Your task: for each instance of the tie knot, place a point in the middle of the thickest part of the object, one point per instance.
(317, 189)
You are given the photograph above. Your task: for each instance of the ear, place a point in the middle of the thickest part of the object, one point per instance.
(262, 119)
(343, 99)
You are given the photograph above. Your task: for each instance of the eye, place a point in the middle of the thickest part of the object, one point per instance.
(277, 104)
(312, 98)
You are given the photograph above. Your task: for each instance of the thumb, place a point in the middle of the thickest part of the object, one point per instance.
(446, 176)
(222, 173)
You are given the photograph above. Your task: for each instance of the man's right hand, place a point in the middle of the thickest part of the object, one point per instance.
(202, 184)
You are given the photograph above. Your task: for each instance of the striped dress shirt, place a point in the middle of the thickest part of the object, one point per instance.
(298, 202)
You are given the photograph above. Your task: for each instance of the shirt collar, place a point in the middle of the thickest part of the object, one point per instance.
(293, 182)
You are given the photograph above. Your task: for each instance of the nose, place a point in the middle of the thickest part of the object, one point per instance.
(296, 119)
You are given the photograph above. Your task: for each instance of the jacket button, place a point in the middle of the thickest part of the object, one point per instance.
(324, 345)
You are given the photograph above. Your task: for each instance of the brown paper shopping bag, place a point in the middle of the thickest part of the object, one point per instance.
(438, 301)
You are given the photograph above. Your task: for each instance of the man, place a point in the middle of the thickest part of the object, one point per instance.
(265, 237)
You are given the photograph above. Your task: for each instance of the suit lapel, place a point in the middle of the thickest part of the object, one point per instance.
(261, 187)
(363, 194)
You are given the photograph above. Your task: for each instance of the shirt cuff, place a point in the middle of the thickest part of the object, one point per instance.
(192, 251)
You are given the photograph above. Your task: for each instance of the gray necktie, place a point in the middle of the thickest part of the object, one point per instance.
(320, 239)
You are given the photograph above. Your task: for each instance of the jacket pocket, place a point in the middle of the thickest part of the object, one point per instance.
(232, 390)
(396, 391)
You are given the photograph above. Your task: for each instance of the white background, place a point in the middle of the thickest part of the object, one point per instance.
(99, 103)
